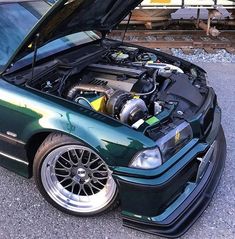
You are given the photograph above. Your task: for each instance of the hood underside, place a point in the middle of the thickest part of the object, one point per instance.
(70, 16)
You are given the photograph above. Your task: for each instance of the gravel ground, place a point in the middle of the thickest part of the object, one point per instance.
(199, 55)
(24, 213)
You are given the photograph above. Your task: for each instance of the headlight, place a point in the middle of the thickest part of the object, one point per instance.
(174, 140)
(166, 146)
(148, 159)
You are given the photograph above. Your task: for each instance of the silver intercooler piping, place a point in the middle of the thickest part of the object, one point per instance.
(75, 89)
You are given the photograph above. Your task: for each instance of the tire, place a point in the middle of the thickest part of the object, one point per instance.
(73, 178)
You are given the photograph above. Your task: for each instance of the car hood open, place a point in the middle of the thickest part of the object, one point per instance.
(71, 16)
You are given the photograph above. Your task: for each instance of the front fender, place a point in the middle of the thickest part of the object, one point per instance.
(114, 142)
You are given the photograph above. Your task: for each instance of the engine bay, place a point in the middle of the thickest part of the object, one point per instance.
(128, 84)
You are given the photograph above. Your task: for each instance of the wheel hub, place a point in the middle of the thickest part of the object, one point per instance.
(81, 172)
(80, 175)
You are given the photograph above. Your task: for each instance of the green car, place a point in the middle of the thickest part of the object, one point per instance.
(97, 121)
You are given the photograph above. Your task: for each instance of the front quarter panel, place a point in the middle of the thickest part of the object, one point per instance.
(26, 112)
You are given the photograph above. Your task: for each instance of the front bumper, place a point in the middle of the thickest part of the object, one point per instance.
(168, 200)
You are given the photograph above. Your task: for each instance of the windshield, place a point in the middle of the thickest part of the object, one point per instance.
(16, 21)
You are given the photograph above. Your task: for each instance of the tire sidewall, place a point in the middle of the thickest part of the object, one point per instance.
(51, 143)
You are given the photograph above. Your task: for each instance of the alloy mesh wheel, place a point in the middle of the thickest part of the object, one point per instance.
(77, 179)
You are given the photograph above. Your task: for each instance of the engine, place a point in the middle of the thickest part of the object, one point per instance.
(114, 90)
(125, 83)
(122, 84)
(116, 103)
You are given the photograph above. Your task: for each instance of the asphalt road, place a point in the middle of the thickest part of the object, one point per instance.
(24, 213)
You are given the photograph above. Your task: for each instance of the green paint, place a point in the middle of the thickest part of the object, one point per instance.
(152, 120)
(27, 112)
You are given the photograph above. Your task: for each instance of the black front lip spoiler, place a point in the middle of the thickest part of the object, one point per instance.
(189, 211)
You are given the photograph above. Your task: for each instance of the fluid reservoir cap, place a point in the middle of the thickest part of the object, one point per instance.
(119, 56)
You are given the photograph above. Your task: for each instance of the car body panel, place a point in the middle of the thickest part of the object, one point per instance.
(172, 201)
(182, 213)
(30, 112)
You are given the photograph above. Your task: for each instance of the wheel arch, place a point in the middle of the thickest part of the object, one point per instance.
(36, 140)
(32, 146)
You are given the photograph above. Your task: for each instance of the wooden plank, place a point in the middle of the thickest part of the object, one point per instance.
(187, 51)
(166, 50)
(230, 50)
(210, 50)
(162, 44)
(186, 40)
